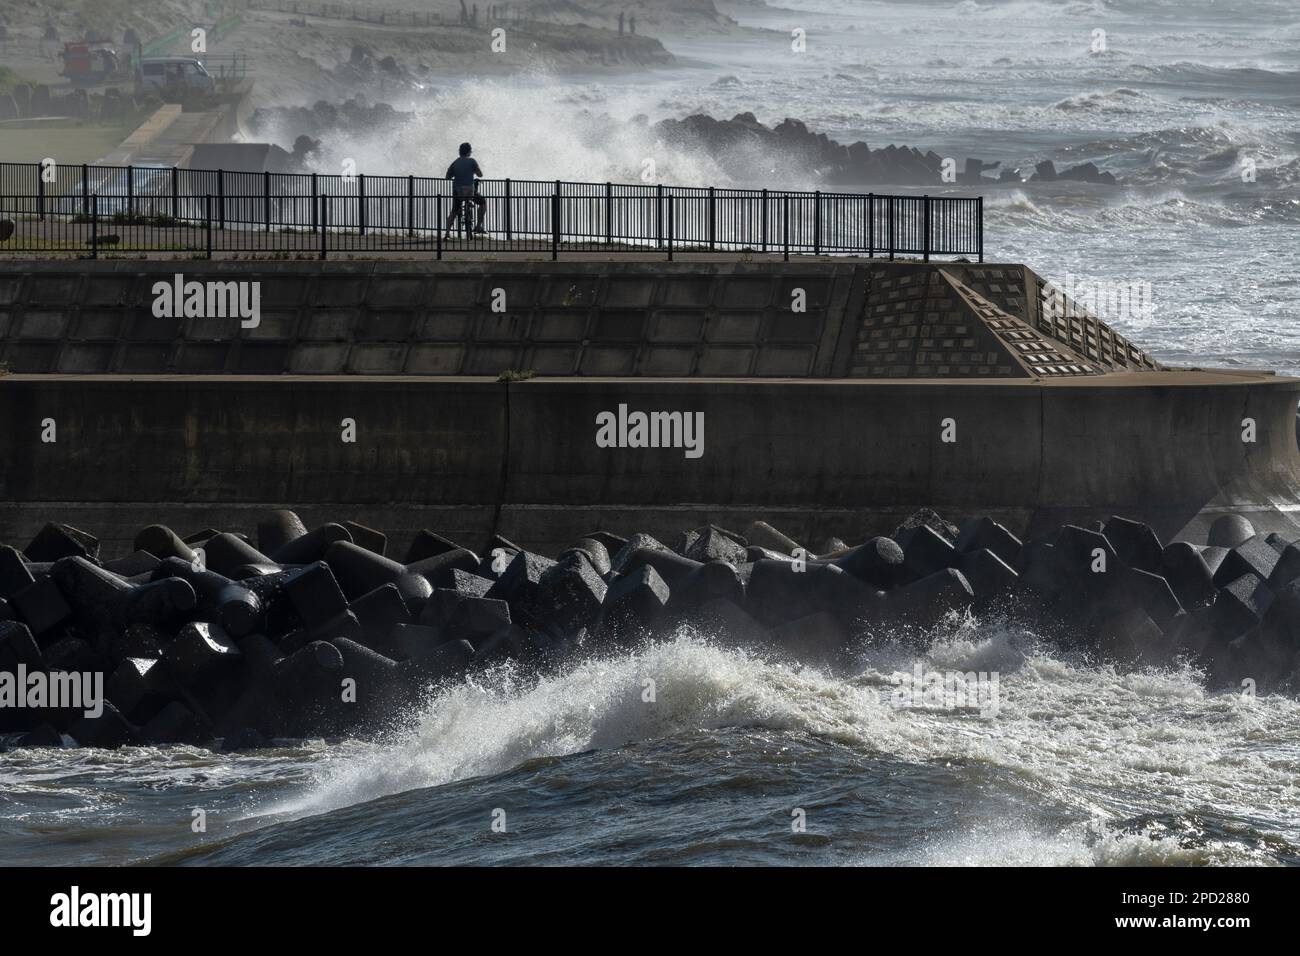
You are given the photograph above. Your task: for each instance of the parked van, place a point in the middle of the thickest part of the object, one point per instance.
(184, 73)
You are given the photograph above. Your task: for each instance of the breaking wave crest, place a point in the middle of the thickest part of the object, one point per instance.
(1134, 756)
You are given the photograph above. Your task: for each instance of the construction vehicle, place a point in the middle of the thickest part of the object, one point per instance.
(90, 61)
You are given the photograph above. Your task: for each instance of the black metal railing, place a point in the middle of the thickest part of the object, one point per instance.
(85, 210)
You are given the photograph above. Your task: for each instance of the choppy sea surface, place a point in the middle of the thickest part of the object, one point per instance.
(1080, 763)
(734, 759)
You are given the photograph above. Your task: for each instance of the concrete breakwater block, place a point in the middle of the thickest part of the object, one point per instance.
(315, 631)
(277, 529)
(163, 542)
(237, 608)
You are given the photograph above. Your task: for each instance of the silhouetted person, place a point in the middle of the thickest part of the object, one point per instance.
(463, 172)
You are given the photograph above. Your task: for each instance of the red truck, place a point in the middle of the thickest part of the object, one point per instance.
(90, 61)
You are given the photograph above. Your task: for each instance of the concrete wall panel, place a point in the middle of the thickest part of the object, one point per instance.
(815, 458)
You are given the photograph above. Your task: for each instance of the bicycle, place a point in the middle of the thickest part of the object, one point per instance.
(465, 209)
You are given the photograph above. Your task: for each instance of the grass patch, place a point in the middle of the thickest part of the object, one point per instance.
(67, 145)
(161, 221)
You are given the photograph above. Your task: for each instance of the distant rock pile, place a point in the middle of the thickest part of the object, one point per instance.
(214, 639)
(748, 146)
(357, 115)
(364, 65)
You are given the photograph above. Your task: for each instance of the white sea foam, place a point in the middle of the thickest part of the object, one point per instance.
(1113, 745)
(1094, 843)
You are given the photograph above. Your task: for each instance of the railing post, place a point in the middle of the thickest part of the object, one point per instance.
(672, 222)
(324, 221)
(979, 210)
(438, 224)
(410, 206)
(609, 213)
(659, 216)
(764, 217)
(94, 227)
(509, 220)
(130, 193)
(925, 218)
(315, 201)
(266, 198)
(713, 218)
(361, 202)
(817, 223)
(85, 189)
(555, 223)
(891, 228)
(785, 224)
(176, 189)
(871, 225)
(221, 196)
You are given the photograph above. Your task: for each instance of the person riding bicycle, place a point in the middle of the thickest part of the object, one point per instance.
(462, 173)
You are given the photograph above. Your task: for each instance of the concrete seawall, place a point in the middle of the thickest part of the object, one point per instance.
(825, 418)
(471, 456)
(724, 317)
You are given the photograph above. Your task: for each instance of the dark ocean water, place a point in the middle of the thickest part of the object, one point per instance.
(1076, 764)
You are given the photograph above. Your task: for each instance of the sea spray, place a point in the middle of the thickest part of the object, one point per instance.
(1093, 739)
